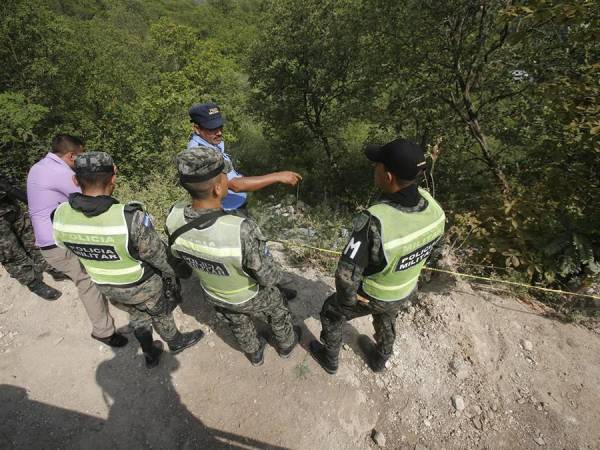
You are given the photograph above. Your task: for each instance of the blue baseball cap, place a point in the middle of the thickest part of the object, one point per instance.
(207, 115)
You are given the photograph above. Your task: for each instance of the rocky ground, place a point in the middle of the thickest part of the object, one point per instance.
(471, 369)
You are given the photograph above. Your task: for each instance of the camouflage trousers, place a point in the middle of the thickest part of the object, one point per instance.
(269, 307)
(146, 305)
(334, 314)
(18, 253)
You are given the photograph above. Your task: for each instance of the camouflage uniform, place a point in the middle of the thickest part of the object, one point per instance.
(268, 305)
(369, 259)
(145, 302)
(18, 253)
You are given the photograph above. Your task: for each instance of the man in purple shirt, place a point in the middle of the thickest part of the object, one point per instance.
(49, 183)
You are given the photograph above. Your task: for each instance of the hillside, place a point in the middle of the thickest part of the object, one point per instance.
(472, 369)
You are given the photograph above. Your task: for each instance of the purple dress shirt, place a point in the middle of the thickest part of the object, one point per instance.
(49, 183)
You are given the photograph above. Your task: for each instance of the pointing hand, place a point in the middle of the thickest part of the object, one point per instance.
(289, 178)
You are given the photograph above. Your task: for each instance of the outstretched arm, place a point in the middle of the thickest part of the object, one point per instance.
(251, 184)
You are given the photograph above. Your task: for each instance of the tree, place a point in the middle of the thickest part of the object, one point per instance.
(18, 121)
(453, 52)
(306, 69)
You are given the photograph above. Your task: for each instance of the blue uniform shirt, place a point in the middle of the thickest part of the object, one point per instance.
(233, 200)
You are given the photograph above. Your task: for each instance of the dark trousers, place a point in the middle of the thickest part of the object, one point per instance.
(334, 314)
(268, 306)
(18, 253)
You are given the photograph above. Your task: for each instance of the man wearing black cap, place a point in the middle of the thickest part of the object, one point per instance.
(122, 253)
(208, 132)
(379, 269)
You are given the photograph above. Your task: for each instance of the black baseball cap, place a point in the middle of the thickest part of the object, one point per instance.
(207, 115)
(403, 158)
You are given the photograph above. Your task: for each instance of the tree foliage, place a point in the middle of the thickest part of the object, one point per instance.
(503, 94)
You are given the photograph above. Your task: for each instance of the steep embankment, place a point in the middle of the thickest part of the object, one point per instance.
(471, 370)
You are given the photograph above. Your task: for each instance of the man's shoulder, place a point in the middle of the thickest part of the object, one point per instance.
(140, 225)
(132, 207)
(37, 167)
(45, 166)
(364, 221)
(249, 230)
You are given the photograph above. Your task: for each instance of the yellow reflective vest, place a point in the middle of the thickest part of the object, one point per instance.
(215, 255)
(408, 239)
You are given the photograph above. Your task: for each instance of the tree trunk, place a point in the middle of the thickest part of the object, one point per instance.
(472, 120)
(491, 161)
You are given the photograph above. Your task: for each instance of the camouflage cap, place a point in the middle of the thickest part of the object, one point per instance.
(94, 162)
(198, 164)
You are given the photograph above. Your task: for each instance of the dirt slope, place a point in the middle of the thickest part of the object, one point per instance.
(525, 381)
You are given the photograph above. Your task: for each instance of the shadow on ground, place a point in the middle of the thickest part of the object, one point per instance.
(145, 411)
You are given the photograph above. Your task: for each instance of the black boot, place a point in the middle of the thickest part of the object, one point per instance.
(375, 359)
(152, 350)
(181, 341)
(43, 290)
(57, 275)
(258, 357)
(288, 293)
(326, 361)
(114, 340)
(286, 352)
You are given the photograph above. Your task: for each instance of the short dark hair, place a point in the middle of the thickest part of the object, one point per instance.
(89, 180)
(65, 143)
(200, 190)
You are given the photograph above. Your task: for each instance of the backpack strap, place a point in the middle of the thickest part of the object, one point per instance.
(198, 222)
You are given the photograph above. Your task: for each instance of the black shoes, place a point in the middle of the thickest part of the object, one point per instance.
(152, 350)
(289, 294)
(41, 289)
(325, 360)
(258, 357)
(286, 352)
(153, 355)
(57, 275)
(375, 360)
(181, 341)
(115, 340)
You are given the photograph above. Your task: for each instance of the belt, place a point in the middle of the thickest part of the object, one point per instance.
(48, 247)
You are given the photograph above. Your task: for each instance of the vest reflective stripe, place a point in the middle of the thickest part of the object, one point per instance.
(404, 240)
(115, 271)
(408, 239)
(215, 255)
(88, 229)
(220, 252)
(394, 287)
(100, 243)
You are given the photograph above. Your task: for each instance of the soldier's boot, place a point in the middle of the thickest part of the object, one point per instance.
(181, 341)
(258, 357)
(152, 349)
(114, 340)
(286, 352)
(375, 359)
(41, 289)
(57, 275)
(326, 360)
(288, 293)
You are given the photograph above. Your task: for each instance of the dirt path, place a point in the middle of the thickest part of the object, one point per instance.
(525, 381)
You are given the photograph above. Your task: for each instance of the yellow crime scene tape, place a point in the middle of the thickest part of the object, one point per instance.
(457, 274)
